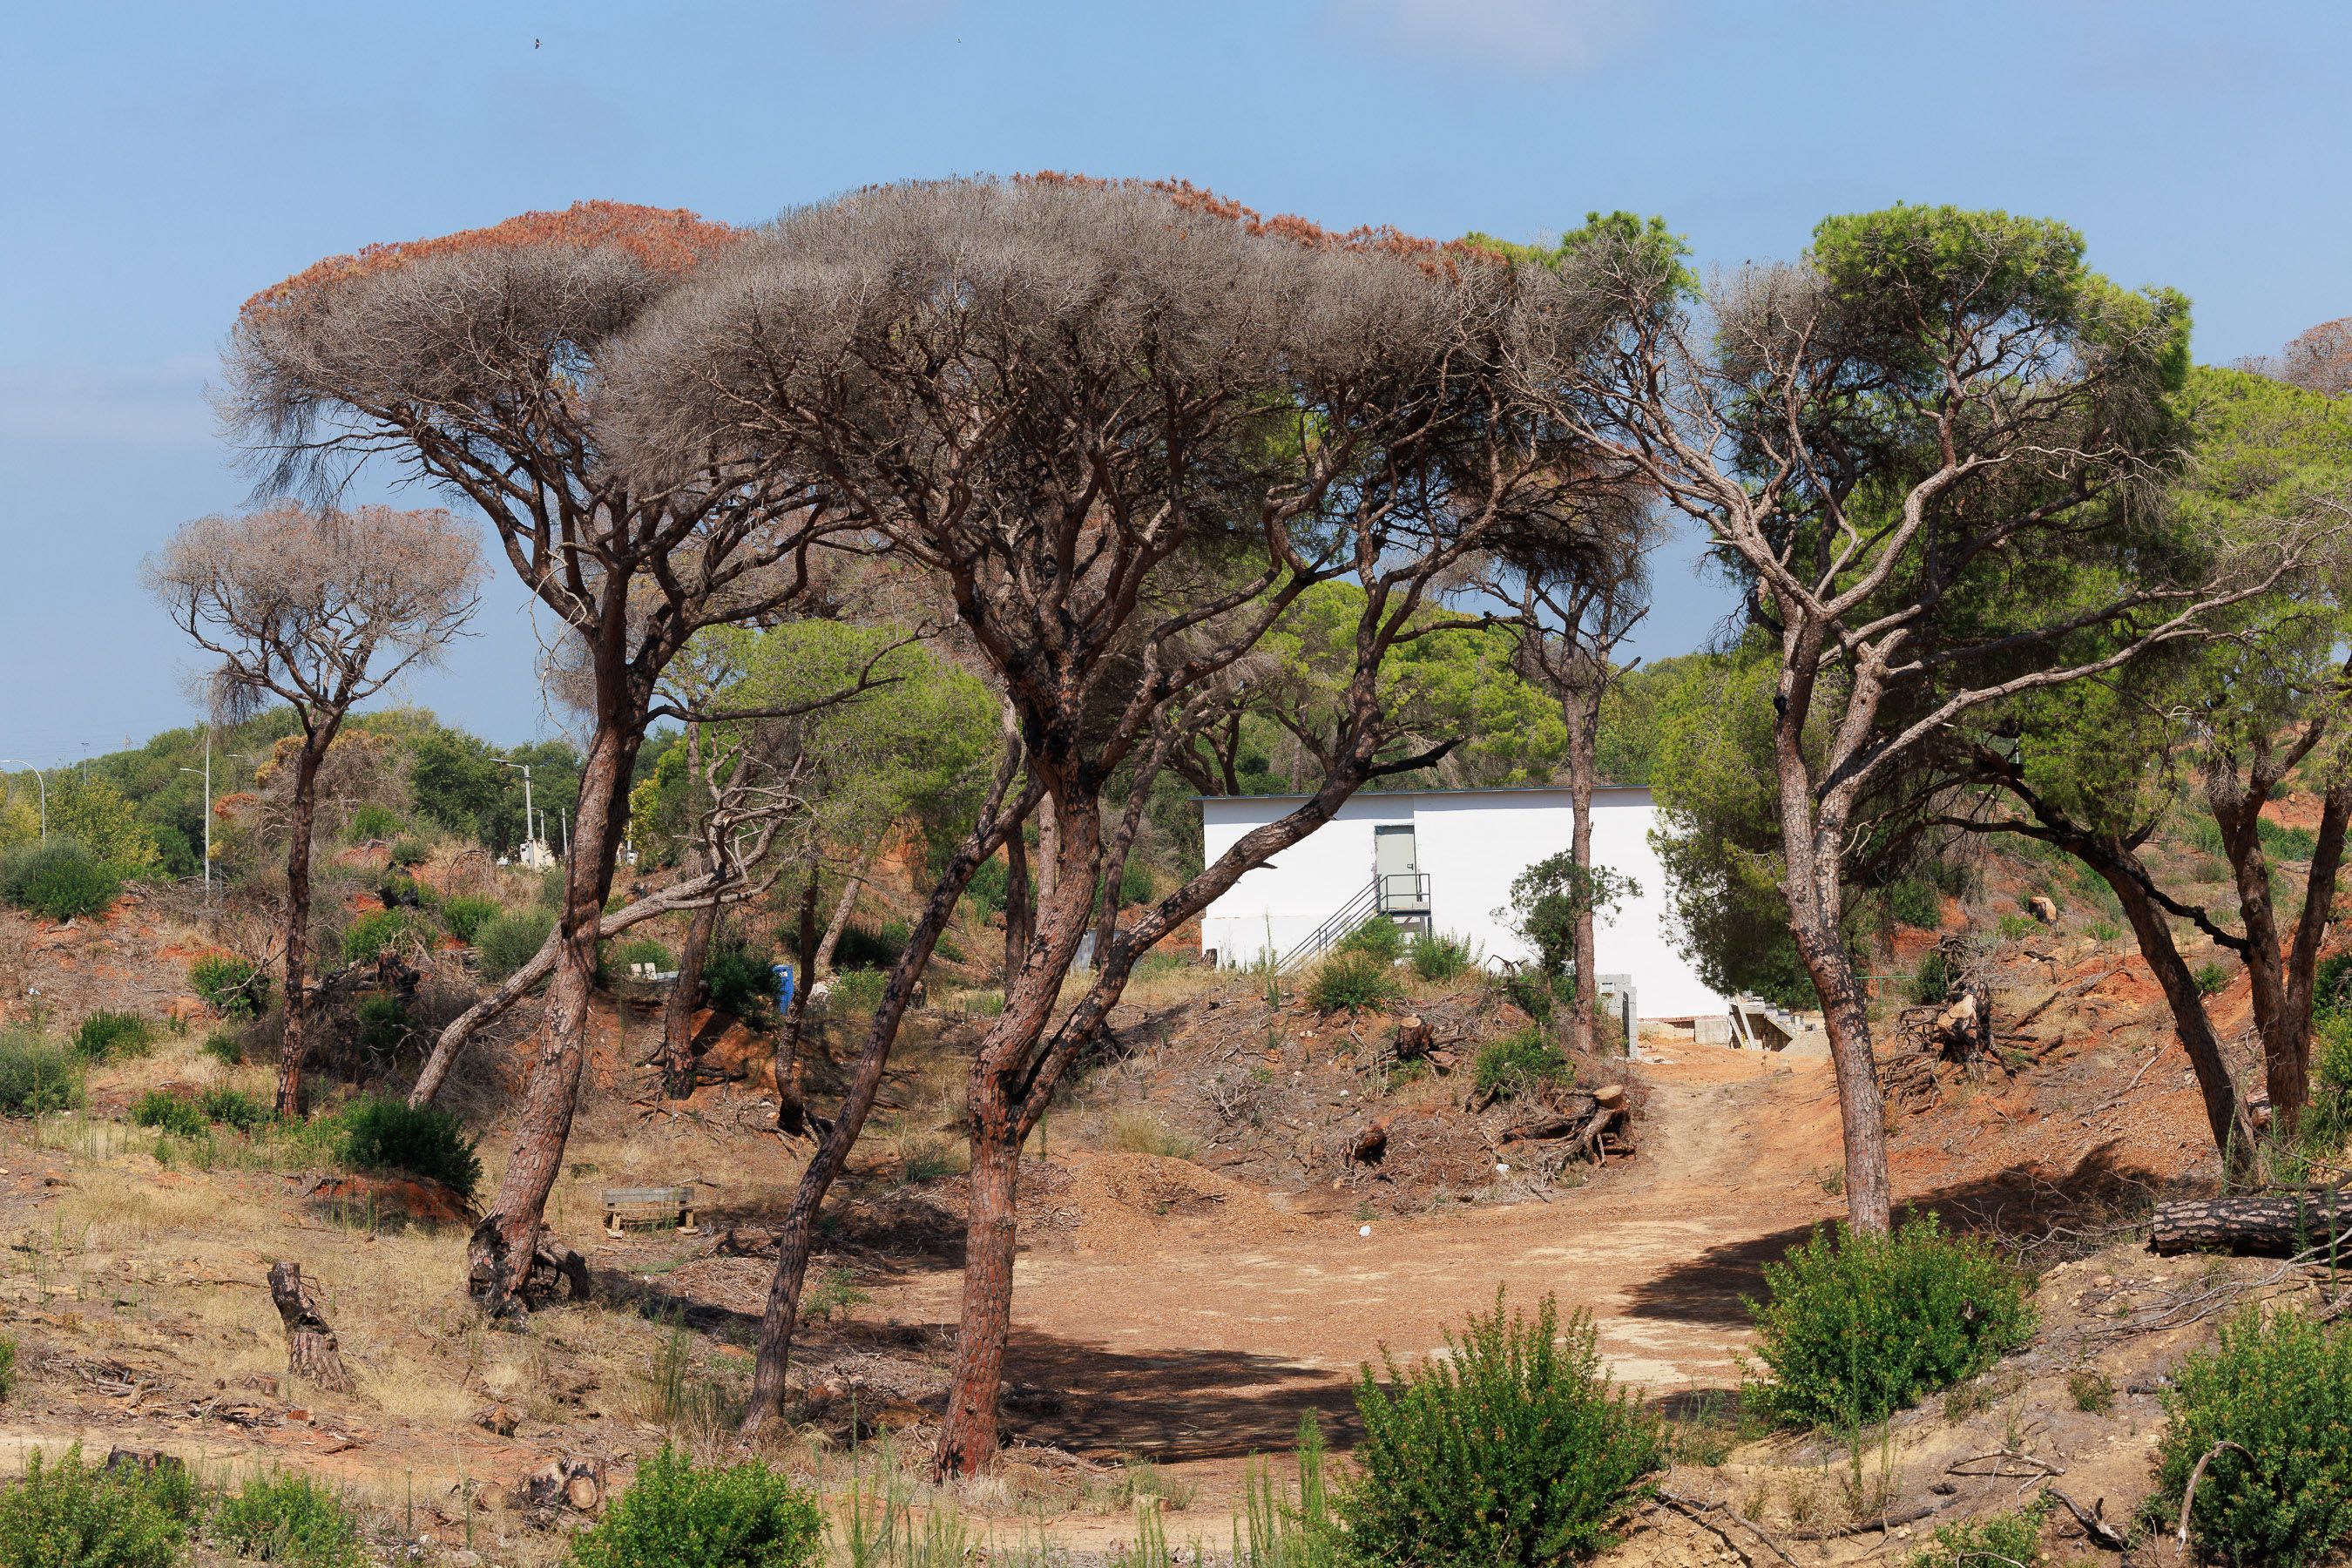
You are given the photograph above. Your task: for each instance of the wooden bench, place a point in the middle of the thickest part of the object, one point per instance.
(649, 1206)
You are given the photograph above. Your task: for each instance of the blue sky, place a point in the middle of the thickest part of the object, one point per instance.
(159, 163)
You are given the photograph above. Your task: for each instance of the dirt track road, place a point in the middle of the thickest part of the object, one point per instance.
(1205, 1346)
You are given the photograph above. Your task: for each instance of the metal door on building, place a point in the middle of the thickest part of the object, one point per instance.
(1396, 862)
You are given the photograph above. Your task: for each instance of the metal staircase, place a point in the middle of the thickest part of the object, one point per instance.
(1401, 896)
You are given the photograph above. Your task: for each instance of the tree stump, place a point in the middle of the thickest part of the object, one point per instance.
(310, 1350)
(1414, 1039)
(2276, 1225)
(1367, 1146)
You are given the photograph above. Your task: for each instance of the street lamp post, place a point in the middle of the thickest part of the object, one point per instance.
(45, 790)
(208, 814)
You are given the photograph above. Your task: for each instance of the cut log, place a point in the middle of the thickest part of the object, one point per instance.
(2276, 1225)
(1414, 1039)
(1609, 1097)
(311, 1349)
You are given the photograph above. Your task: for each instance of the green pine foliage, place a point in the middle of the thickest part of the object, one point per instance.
(1511, 1448)
(389, 1135)
(2278, 1386)
(72, 1514)
(1354, 982)
(232, 1108)
(283, 1515)
(677, 1514)
(1856, 1325)
(739, 978)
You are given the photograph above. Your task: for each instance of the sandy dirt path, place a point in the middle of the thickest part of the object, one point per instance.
(1192, 1344)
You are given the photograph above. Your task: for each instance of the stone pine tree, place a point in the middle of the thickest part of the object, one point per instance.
(1929, 447)
(1123, 429)
(477, 363)
(317, 610)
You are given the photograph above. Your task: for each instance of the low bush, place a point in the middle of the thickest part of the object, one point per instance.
(367, 938)
(1351, 981)
(7, 1366)
(1516, 1063)
(385, 1028)
(168, 1112)
(408, 852)
(642, 950)
(1997, 1538)
(388, 1135)
(2278, 1387)
(857, 991)
(1442, 957)
(739, 978)
(507, 943)
(231, 986)
(1913, 901)
(1379, 936)
(105, 1035)
(1533, 993)
(372, 821)
(861, 948)
(467, 914)
(57, 877)
(2017, 928)
(1931, 983)
(224, 1047)
(1141, 1132)
(37, 1075)
(677, 1514)
(70, 1512)
(1511, 1447)
(2211, 978)
(233, 1108)
(283, 1515)
(1857, 1325)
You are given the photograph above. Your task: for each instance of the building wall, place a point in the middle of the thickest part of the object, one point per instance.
(1471, 844)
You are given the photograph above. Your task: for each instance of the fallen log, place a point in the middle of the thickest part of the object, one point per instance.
(310, 1350)
(2274, 1225)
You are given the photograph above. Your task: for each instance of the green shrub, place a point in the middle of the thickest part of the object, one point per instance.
(1997, 1538)
(1931, 983)
(507, 943)
(2331, 989)
(388, 1135)
(1443, 957)
(230, 987)
(643, 950)
(7, 1366)
(861, 948)
(1512, 1448)
(1533, 993)
(1913, 901)
(372, 821)
(224, 1046)
(408, 852)
(57, 877)
(2017, 928)
(366, 937)
(37, 1075)
(233, 1108)
(71, 1514)
(467, 914)
(1379, 936)
(857, 991)
(168, 1112)
(739, 978)
(1352, 980)
(2279, 1387)
(2211, 978)
(2282, 843)
(1857, 1325)
(286, 1517)
(104, 1036)
(680, 1515)
(2103, 930)
(1516, 1064)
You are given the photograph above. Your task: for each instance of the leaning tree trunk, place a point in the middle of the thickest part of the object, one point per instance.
(499, 1253)
(295, 1048)
(677, 1010)
(842, 911)
(2233, 1134)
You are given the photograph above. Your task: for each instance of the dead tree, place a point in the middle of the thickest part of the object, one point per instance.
(478, 363)
(311, 1349)
(318, 609)
(1124, 430)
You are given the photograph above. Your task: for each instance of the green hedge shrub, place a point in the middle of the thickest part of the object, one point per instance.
(408, 852)
(1533, 993)
(1442, 957)
(1856, 1325)
(168, 1112)
(70, 1512)
(372, 821)
(1913, 901)
(1352, 980)
(286, 1517)
(385, 1028)
(37, 1075)
(739, 978)
(1513, 1448)
(104, 1036)
(2282, 1387)
(388, 1135)
(467, 914)
(507, 943)
(677, 1514)
(367, 937)
(1516, 1063)
(224, 1046)
(59, 878)
(230, 987)
(233, 1108)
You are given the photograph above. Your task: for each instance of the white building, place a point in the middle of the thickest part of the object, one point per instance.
(1445, 860)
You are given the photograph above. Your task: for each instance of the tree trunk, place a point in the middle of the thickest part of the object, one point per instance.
(792, 1101)
(678, 1009)
(311, 1349)
(295, 1046)
(2237, 810)
(1862, 1108)
(842, 910)
(968, 1430)
(499, 1253)
(1584, 1010)
(2233, 1135)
